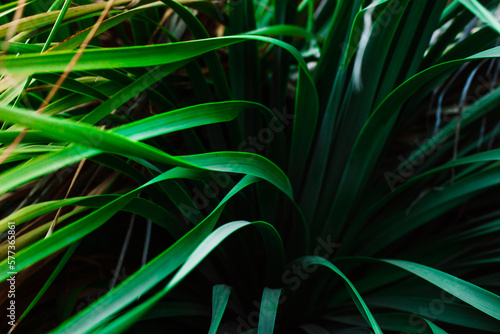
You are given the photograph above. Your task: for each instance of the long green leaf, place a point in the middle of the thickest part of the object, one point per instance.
(220, 297)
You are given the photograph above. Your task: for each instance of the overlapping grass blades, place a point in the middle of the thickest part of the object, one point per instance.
(182, 106)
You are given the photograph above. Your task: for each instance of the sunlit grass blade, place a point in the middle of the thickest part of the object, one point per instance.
(220, 297)
(268, 310)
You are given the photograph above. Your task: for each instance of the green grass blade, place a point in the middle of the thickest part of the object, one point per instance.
(48, 282)
(475, 7)
(41, 20)
(272, 243)
(142, 130)
(220, 297)
(457, 314)
(473, 295)
(376, 131)
(151, 274)
(268, 310)
(356, 297)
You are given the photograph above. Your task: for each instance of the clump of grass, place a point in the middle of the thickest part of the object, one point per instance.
(250, 166)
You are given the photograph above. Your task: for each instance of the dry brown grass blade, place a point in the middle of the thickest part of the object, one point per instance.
(62, 78)
(5, 46)
(54, 222)
(12, 146)
(165, 17)
(47, 100)
(18, 14)
(76, 57)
